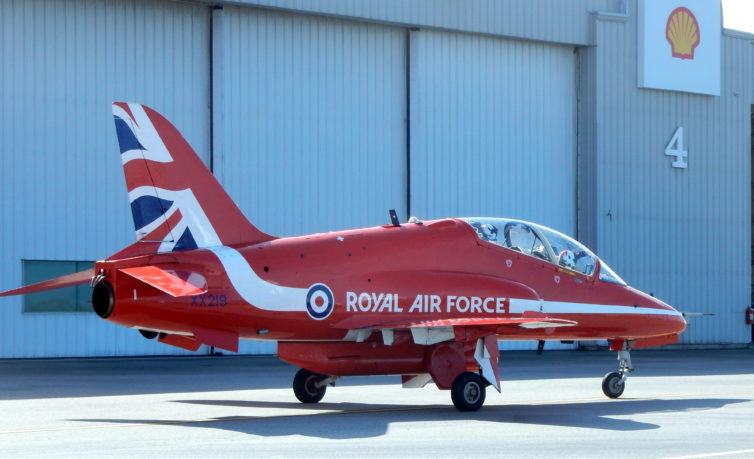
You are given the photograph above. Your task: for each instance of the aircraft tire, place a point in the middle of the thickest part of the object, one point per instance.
(468, 391)
(612, 385)
(304, 386)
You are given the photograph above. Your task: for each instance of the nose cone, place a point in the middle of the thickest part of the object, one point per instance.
(673, 321)
(676, 322)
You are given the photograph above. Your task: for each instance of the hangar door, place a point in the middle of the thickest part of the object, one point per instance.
(61, 66)
(493, 128)
(309, 126)
(309, 117)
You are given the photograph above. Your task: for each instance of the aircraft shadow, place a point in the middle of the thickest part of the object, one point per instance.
(356, 420)
(64, 378)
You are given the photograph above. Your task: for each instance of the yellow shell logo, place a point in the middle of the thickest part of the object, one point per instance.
(682, 32)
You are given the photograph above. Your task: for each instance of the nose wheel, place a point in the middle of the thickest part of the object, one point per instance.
(614, 383)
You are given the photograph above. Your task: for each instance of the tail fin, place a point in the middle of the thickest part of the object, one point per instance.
(177, 203)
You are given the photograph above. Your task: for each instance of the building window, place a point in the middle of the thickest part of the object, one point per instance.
(68, 299)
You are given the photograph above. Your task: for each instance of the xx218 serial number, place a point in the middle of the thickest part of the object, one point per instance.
(209, 300)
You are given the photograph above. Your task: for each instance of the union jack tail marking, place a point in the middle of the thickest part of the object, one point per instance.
(176, 202)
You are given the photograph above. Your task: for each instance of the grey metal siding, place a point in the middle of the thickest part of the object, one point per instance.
(493, 128)
(310, 135)
(62, 188)
(561, 21)
(309, 119)
(683, 234)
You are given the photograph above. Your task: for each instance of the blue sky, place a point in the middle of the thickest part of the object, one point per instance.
(739, 15)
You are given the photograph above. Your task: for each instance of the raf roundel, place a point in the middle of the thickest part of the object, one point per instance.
(319, 301)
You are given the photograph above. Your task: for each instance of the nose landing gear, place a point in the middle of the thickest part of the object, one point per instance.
(614, 382)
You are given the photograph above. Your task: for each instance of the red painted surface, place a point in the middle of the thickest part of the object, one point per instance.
(442, 258)
(435, 288)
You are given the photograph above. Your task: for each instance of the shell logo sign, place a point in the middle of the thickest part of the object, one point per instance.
(679, 45)
(682, 32)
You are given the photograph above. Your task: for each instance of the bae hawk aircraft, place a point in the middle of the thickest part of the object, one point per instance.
(427, 300)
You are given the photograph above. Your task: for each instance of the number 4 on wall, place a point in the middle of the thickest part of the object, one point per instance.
(675, 148)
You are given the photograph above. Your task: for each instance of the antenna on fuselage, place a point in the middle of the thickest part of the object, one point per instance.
(394, 218)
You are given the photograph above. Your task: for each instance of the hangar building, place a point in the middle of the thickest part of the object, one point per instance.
(604, 119)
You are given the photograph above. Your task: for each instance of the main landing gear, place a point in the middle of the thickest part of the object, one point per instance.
(450, 364)
(468, 391)
(310, 387)
(614, 382)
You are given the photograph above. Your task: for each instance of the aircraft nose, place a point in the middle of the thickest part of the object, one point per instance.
(677, 322)
(674, 320)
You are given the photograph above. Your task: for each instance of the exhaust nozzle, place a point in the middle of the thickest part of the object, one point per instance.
(103, 299)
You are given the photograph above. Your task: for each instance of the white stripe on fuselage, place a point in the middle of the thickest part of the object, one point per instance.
(272, 297)
(255, 290)
(518, 306)
(559, 307)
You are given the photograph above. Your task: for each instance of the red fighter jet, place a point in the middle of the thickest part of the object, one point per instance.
(427, 300)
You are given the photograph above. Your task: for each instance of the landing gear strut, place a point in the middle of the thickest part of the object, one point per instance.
(310, 387)
(614, 382)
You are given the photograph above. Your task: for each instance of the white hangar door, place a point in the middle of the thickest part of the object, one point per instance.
(493, 129)
(309, 121)
(61, 66)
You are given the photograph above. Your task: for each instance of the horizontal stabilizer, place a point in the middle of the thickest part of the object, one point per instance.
(169, 281)
(81, 277)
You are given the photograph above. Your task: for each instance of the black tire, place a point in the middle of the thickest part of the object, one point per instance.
(305, 386)
(612, 385)
(468, 392)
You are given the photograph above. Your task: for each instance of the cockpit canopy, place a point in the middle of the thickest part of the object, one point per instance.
(541, 242)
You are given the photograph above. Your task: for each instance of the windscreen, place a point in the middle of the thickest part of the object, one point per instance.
(541, 242)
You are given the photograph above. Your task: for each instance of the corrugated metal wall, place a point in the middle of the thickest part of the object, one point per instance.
(683, 234)
(62, 191)
(309, 119)
(558, 21)
(309, 134)
(493, 128)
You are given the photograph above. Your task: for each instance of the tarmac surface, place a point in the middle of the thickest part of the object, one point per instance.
(676, 404)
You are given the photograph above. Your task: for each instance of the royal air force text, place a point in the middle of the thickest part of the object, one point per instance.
(390, 302)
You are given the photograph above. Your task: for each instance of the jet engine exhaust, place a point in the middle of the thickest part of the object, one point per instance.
(103, 299)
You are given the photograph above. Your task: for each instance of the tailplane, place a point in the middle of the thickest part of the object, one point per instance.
(176, 202)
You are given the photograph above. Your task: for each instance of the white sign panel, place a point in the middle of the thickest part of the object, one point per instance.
(679, 45)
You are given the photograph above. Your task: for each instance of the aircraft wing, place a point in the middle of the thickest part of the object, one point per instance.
(528, 319)
(171, 282)
(481, 330)
(523, 322)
